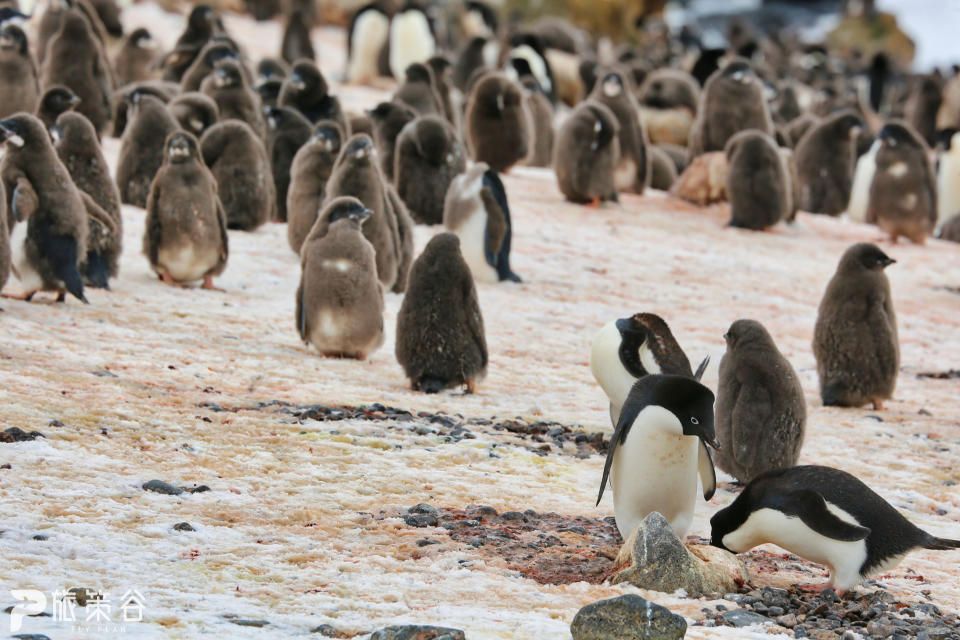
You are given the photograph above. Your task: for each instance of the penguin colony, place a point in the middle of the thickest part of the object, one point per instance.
(211, 142)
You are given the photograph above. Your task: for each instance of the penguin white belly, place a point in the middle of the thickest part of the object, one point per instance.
(843, 558)
(185, 263)
(948, 186)
(410, 41)
(607, 369)
(862, 179)
(625, 175)
(29, 277)
(655, 469)
(472, 233)
(369, 35)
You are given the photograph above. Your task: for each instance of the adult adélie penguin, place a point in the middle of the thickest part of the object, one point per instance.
(654, 454)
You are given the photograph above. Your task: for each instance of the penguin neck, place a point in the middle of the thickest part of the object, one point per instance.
(608, 368)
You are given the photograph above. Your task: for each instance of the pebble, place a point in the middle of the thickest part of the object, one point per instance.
(420, 520)
(183, 526)
(426, 542)
(329, 631)
(416, 632)
(16, 434)
(159, 486)
(423, 508)
(743, 618)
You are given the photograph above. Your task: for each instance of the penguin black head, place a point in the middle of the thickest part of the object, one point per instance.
(328, 134)
(269, 90)
(201, 18)
(214, 53)
(12, 38)
(181, 147)
(271, 68)
(439, 65)
(227, 74)
(281, 117)
(142, 39)
(418, 72)
(305, 77)
(385, 110)
(945, 138)
(359, 147)
(644, 336)
(895, 134)
(612, 85)
(347, 208)
(739, 70)
(58, 99)
(744, 332)
(688, 400)
(22, 130)
(865, 256)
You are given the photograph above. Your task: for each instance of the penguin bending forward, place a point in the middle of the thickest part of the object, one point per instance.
(826, 516)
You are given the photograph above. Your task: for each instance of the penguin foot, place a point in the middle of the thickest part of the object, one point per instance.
(62, 296)
(208, 284)
(471, 387)
(168, 279)
(26, 296)
(878, 405)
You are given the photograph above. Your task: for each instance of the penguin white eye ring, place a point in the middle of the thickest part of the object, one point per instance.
(694, 421)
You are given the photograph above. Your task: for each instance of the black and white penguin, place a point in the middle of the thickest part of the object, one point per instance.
(948, 176)
(476, 211)
(367, 35)
(527, 56)
(824, 515)
(654, 453)
(411, 39)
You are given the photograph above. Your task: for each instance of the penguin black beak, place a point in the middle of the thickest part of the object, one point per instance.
(886, 262)
(360, 148)
(297, 81)
(75, 100)
(625, 325)
(712, 441)
(8, 133)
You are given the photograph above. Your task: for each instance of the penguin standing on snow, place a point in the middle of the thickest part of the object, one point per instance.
(826, 516)
(287, 130)
(429, 157)
(496, 123)
(948, 176)
(654, 454)
(19, 86)
(633, 168)
(367, 36)
(476, 210)
(48, 240)
(309, 173)
(586, 154)
(411, 39)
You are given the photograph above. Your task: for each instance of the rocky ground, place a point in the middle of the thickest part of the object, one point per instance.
(325, 506)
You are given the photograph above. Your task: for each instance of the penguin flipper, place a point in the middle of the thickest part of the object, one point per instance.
(811, 508)
(24, 201)
(62, 252)
(701, 370)
(751, 418)
(496, 226)
(631, 409)
(301, 314)
(708, 475)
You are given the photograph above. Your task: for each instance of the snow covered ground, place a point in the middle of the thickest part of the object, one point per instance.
(286, 533)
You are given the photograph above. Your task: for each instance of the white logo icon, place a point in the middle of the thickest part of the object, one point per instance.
(34, 602)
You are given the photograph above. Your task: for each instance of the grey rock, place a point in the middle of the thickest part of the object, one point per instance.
(627, 617)
(424, 509)
(653, 557)
(743, 618)
(16, 434)
(416, 632)
(419, 520)
(245, 622)
(329, 631)
(30, 636)
(183, 526)
(159, 486)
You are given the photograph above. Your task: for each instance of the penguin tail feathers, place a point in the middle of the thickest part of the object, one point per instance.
(702, 368)
(432, 385)
(96, 272)
(942, 544)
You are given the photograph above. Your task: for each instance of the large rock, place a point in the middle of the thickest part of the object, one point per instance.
(627, 617)
(653, 557)
(416, 632)
(704, 181)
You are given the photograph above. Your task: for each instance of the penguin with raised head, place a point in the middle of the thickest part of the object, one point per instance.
(826, 159)
(287, 131)
(271, 72)
(411, 38)
(200, 27)
(309, 173)
(306, 90)
(142, 147)
(855, 339)
(761, 414)
(476, 210)
(134, 61)
(19, 85)
(654, 454)
(389, 119)
(228, 87)
(429, 156)
(164, 91)
(442, 70)
(340, 299)
(478, 55)
(357, 174)
(241, 167)
(75, 59)
(54, 101)
(185, 231)
(586, 154)
(732, 100)
(526, 53)
(497, 125)
(903, 193)
(759, 186)
(633, 167)
(48, 234)
(367, 36)
(296, 44)
(196, 112)
(418, 91)
(440, 336)
(541, 125)
(826, 516)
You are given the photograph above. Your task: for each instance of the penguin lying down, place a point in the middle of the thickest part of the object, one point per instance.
(826, 516)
